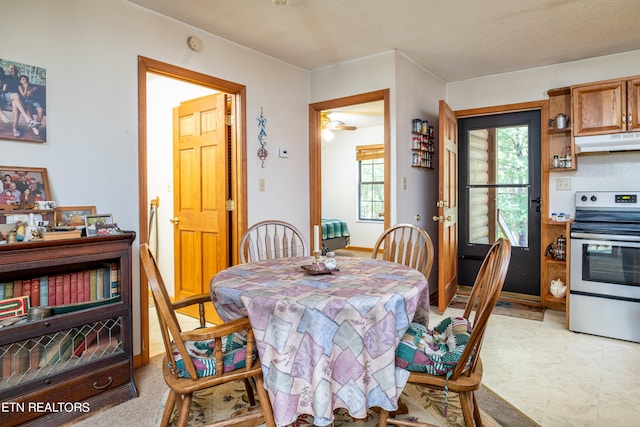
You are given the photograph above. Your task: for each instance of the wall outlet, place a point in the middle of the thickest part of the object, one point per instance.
(563, 184)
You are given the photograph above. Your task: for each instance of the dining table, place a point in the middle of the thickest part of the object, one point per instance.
(325, 341)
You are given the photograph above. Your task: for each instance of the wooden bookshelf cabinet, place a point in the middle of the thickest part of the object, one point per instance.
(558, 142)
(553, 269)
(46, 379)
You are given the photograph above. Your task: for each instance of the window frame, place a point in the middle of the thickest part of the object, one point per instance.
(374, 155)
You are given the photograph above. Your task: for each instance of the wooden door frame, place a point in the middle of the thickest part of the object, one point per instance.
(315, 150)
(238, 217)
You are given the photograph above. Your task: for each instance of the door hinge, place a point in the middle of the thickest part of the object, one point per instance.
(230, 205)
(229, 120)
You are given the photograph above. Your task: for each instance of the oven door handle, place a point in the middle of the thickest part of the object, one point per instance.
(608, 237)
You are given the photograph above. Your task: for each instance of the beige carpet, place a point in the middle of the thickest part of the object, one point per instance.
(424, 405)
(146, 410)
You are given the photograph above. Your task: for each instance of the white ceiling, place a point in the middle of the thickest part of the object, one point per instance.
(455, 40)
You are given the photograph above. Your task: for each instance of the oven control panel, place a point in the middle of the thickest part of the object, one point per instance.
(607, 199)
(626, 198)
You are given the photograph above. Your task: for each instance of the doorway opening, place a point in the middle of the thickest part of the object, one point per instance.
(236, 168)
(324, 169)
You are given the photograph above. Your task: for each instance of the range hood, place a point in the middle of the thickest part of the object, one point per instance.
(611, 142)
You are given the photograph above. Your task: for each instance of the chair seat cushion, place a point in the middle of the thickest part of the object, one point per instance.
(202, 353)
(436, 351)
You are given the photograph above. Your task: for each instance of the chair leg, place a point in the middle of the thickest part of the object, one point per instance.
(250, 394)
(383, 416)
(467, 411)
(168, 409)
(185, 406)
(476, 410)
(265, 403)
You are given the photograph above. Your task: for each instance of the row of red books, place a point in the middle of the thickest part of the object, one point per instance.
(67, 288)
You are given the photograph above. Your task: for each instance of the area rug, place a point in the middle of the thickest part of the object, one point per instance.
(424, 405)
(506, 308)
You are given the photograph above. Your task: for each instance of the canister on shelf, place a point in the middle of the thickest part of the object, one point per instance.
(416, 125)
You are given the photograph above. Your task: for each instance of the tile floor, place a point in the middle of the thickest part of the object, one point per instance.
(555, 376)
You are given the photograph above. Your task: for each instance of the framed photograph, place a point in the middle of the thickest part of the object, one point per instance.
(25, 96)
(91, 221)
(72, 216)
(24, 186)
(107, 229)
(44, 205)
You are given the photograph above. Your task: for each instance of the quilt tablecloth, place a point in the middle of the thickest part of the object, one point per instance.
(325, 341)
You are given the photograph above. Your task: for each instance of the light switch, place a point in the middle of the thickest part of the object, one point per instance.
(283, 152)
(563, 184)
(261, 184)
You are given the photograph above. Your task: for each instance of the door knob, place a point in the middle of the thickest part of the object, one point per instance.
(381, 214)
(175, 220)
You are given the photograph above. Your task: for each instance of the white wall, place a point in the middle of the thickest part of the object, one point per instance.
(340, 183)
(418, 96)
(598, 172)
(414, 93)
(90, 49)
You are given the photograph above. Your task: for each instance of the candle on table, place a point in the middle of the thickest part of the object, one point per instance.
(316, 238)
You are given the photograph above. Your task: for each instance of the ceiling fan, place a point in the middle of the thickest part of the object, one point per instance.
(327, 123)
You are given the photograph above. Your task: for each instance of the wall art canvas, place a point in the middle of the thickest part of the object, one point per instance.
(23, 101)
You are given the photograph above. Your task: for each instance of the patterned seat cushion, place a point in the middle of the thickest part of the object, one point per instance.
(202, 353)
(435, 351)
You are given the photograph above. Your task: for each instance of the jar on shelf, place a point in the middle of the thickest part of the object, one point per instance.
(416, 125)
(416, 159)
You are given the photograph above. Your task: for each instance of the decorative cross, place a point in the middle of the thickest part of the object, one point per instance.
(262, 137)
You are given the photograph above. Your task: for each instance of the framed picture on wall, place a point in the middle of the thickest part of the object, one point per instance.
(23, 185)
(24, 95)
(72, 216)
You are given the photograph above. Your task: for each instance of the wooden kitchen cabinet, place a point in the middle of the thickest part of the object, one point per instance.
(560, 141)
(609, 106)
(552, 268)
(70, 364)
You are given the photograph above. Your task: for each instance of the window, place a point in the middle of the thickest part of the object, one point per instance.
(371, 175)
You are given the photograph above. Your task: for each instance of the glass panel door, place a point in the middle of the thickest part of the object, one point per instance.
(500, 195)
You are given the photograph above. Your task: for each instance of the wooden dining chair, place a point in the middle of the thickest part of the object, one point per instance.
(272, 239)
(206, 357)
(406, 244)
(465, 378)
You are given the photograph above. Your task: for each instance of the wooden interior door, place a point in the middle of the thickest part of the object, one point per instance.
(447, 207)
(200, 193)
